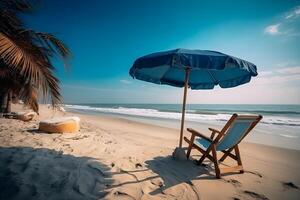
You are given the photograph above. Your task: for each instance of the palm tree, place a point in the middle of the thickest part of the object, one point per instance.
(26, 70)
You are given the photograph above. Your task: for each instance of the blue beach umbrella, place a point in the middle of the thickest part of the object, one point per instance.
(196, 69)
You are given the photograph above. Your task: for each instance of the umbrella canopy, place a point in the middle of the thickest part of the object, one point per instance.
(197, 69)
(207, 69)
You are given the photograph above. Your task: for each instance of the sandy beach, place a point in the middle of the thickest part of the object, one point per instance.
(111, 158)
(116, 100)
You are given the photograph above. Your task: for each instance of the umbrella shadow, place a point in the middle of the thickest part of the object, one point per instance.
(40, 173)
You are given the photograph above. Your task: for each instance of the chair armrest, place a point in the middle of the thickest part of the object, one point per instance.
(196, 133)
(214, 130)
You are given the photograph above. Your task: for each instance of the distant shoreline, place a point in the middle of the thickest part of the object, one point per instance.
(267, 134)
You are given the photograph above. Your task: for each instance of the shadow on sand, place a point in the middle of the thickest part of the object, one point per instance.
(174, 172)
(171, 172)
(39, 173)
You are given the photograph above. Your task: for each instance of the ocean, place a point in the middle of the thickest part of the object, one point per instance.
(280, 125)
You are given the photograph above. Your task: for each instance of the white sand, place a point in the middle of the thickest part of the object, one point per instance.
(114, 158)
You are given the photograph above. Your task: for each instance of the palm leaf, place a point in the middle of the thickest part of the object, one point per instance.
(53, 44)
(29, 95)
(29, 61)
(52, 41)
(18, 86)
(16, 5)
(9, 22)
(25, 55)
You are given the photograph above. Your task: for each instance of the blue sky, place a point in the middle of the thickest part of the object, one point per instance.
(105, 38)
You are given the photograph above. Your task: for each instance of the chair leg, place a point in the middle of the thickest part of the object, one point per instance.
(190, 146)
(216, 162)
(201, 159)
(204, 155)
(225, 155)
(238, 155)
(188, 152)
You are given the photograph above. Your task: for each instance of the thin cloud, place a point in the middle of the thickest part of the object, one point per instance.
(289, 70)
(287, 64)
(273, 29)
(294, 13)
(125, 81)
(265, 73)
(277, 79)
(287, 25)
(278, 76)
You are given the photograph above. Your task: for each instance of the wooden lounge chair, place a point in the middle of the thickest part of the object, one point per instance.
(225, 141)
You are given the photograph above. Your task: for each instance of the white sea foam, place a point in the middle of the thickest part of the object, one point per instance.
(153, 113)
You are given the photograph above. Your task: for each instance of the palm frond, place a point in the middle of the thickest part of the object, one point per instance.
(26, 56)
(29, 61)
(16, 54)
(18, 86)
(29, 95)
(59, 46)
(4, 72)
(53, 44)
(9, 22)
(16, 5)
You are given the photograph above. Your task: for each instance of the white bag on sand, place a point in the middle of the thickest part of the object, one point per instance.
(60, 125)
(26, 116)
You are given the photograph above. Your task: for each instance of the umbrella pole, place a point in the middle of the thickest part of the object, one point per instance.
(186, 83)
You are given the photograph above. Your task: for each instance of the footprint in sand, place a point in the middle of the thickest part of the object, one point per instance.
(234, 182)
(106, 150)
(138, 165)
(256, 195)
(68, 148)
(79, 137)
(121, 195)
(289, 185)
(254, 173)
(158, 182)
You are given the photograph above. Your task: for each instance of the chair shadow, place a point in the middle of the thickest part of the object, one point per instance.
(40, 173)
(174, 172)
(171, 171)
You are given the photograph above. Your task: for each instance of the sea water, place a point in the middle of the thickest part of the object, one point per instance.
(280, 125)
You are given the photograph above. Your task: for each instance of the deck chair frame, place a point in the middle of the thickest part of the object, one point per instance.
(211, 151)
